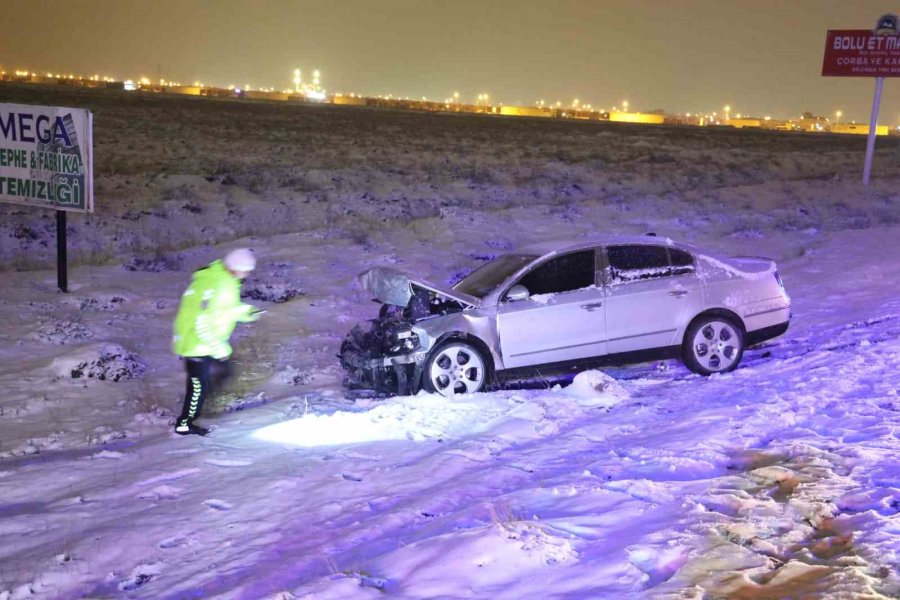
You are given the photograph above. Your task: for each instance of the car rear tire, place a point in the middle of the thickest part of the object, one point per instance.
(713, 344)
(454, 368)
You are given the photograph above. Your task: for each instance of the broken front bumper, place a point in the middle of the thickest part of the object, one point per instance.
(400, 374)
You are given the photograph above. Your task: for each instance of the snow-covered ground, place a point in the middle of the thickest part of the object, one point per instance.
(778, 480)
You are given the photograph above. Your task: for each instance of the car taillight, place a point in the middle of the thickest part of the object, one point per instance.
(778, 279)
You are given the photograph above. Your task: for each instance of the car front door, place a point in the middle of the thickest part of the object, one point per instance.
(561, 320)
(651, 292)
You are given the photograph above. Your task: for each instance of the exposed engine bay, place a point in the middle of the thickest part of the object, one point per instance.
(387, 353)
(390, 333)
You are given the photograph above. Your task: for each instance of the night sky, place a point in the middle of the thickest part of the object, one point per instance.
(761, 58)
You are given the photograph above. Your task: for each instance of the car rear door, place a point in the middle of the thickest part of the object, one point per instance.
(651, 292)
(562, 320)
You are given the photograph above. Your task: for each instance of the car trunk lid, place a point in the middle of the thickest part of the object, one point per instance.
(747, 267)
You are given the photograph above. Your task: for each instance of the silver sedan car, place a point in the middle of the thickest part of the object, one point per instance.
(555, 308)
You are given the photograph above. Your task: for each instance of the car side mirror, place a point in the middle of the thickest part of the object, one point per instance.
(517, 292)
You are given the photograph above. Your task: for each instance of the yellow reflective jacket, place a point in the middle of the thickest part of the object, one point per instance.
(210, 308)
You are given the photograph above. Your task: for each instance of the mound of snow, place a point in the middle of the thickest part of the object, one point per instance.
(276, 292)
(154, 264)
(595, 388)
(106, 362)
(105, 303)
(61, 332)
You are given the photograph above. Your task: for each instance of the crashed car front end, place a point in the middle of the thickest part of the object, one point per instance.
(387, 354)
(383, 355)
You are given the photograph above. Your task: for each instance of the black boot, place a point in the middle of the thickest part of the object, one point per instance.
(191, 429)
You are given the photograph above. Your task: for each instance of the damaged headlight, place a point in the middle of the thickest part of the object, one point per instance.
(404, 340)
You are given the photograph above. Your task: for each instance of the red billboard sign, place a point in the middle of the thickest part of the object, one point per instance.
(861, 53)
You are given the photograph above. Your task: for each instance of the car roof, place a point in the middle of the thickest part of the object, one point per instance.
(550, 246)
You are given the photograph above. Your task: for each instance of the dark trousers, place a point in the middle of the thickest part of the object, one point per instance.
(204, 374)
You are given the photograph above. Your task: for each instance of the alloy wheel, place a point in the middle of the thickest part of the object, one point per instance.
(716, 346)
(457, 369)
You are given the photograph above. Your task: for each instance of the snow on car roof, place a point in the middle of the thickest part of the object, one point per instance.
(542, 248)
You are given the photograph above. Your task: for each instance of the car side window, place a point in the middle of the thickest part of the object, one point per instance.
(682, 262)
(637, 263)
(562, 274)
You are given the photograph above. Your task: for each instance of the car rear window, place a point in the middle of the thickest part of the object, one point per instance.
(638, 262)
(682, 262)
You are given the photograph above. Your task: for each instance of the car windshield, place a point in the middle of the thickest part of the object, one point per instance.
(485, 279)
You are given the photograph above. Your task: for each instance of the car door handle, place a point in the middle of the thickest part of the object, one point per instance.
(592, 306)
(679, 293)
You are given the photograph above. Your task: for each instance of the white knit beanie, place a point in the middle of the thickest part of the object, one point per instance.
(240, 260)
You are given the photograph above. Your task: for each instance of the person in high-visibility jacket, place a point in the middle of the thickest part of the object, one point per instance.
(210, 308)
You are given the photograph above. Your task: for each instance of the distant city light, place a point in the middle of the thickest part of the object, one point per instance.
(313, 91)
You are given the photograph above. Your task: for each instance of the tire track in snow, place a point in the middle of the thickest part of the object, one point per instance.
(811, 487)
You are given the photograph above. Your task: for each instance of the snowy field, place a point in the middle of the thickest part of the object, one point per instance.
(779, 480)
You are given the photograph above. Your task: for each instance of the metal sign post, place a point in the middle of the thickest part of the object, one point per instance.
(873, 126)
(864, 53)
(62, 267)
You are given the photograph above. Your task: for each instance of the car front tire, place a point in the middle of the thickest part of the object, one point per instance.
(713, 344)
(455, 367)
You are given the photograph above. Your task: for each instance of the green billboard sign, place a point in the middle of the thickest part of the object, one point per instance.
(46, 157)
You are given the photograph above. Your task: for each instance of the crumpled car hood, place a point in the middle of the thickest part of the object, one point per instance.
(391, 286)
